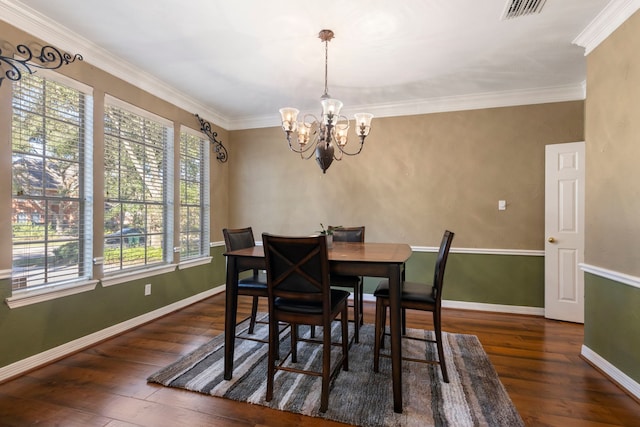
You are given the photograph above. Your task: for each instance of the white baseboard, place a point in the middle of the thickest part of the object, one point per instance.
(496, 308)
(614, 374)
(478, 306)
(37, 360)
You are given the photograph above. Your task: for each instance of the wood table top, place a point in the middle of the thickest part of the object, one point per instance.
(348, 252)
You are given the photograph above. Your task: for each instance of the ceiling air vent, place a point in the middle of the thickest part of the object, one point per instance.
(516, 8)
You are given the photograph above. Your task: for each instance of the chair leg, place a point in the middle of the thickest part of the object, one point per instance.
(357, 302)
(383, 324)
(379, 334)
(438, 330)
(361, 302)
(313, 331)
(326, 368)
(345, 338)
(254, 312)
(294, 343)
(271, 357)
(404, 321)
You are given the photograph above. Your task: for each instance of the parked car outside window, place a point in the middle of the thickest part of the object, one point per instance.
(129, 236)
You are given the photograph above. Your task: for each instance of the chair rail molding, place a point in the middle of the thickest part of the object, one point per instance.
(482, 251)
(616, 276)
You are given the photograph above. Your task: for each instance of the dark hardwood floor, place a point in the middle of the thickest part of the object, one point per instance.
(537, 360)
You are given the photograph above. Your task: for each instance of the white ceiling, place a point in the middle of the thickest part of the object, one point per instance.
(242, 60)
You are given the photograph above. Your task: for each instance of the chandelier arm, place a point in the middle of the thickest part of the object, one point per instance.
(311, 152)
(301, 151)
(343, 151)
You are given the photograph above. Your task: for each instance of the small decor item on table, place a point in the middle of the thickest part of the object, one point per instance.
(328, 232)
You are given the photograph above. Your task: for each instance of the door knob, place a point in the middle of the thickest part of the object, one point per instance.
(552, 240)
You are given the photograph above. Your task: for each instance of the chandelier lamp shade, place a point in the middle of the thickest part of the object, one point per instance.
(327, 137)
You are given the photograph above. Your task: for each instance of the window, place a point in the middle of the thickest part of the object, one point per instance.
(51, 144)
(138, 148)
(194, 195)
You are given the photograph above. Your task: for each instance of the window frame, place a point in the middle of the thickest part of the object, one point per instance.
(127, 274)
(84, 282)
(205, 204)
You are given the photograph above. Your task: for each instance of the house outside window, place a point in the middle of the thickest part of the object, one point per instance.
(138, 159)
(194, 195)
(51, 140)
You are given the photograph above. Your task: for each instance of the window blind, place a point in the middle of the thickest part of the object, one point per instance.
(194, 195)
(52, 162)
(138, 187)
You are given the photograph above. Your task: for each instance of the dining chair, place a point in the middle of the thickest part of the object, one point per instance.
(300, 293)
(351, 234)
(254, 285)
(416, 296)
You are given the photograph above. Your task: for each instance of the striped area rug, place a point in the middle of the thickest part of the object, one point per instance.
(473, 397)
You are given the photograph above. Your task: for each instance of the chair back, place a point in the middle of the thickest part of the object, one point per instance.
(238, 238)
(348, 234)
(441, 262)
(297, 269)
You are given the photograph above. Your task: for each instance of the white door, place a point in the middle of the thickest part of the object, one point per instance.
(564, 228)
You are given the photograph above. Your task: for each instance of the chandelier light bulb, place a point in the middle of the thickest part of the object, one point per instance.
(289, 118)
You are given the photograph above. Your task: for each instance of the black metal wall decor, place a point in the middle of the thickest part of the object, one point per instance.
(50, 58)
(221, 151)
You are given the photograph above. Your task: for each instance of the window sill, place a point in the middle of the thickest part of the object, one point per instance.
(136, 274)
(21, 298)
(194, 262)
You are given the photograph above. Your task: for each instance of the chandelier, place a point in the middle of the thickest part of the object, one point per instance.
(329, 134)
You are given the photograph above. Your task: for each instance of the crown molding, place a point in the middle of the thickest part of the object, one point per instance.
(607, 21)
(444, 104)
(26, 19)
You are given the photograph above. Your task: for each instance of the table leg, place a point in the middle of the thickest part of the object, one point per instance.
(395, 292)
(231, 308)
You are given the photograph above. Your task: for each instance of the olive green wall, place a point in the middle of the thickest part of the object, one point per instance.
(29, 330)
(504, 280)
(612, 129)
(32, 329)
(612, 323)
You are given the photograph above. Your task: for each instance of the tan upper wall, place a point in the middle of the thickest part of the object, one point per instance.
(612, 134)
(103, 83)
(416, 176)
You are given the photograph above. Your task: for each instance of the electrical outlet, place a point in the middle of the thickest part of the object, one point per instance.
(147, 289)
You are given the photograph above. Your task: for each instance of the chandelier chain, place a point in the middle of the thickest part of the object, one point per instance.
(326, 66)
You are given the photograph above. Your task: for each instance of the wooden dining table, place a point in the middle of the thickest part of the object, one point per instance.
(385, 260)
